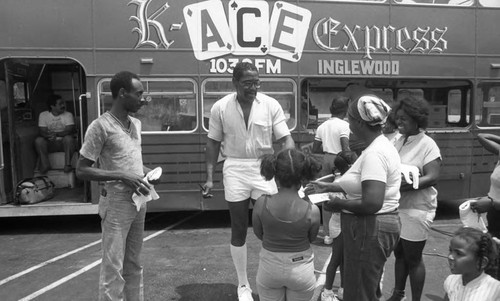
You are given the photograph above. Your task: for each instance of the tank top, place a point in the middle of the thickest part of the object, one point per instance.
(285, 236)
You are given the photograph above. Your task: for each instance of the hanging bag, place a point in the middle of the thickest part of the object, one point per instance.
(34, 190)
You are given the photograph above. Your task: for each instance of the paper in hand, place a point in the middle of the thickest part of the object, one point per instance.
(140, 199)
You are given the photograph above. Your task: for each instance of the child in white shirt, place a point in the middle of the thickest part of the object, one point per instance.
(471, 252)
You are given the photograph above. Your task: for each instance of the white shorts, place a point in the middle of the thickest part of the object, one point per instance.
(242, 180)
(415, 224)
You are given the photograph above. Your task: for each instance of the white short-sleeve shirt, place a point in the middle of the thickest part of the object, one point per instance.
(380, 162)
(330, 132)
(484, 288)
(55, 123)
(418, 150)
(227, 125)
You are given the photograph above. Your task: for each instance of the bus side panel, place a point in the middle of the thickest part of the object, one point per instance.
(48, 24)
(455, 179)
(182, 160)
(456, 27)
(162, 65)
(488, 35)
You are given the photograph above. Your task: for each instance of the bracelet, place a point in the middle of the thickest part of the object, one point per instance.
(492, 202)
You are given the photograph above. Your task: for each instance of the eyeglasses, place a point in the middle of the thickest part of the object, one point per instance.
(250, 84)
(146, 99)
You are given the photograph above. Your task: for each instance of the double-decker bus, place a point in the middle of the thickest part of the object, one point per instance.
(307, 52)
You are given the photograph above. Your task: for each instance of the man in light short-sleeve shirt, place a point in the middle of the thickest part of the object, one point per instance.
(114, 140)
(57, 127)
(244, 122)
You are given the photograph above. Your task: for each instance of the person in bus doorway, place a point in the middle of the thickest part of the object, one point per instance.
(417, 205)
(57, 127)
(370, 224)
(287, 225)
(114, 139)
(245, 122)
(332, 137)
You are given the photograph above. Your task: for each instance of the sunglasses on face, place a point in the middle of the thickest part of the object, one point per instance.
(250, 84)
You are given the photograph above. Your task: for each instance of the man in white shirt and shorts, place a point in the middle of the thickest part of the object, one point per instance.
(245, 121)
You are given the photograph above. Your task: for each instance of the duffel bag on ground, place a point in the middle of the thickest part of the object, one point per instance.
(34, 190)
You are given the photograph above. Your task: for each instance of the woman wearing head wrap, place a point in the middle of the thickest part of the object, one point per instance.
(370, 221)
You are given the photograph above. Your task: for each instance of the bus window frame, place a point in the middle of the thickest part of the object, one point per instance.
(262, 80)
(145, 81)
(395, 2)
(479, 100)
(411, 84)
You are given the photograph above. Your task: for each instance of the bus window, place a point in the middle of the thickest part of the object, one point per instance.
(283, 90)
(449, 100)
(377, 1)
(490, 3)
(22, 105)
(456, 106)
(488, 104)
(386, 94)
(437, 2)
(172, 105)
(417, 93)
(20, 94)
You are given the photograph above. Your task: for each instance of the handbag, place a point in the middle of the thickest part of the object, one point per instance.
(34, 190)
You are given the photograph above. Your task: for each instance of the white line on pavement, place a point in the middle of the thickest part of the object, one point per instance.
(36, 267)
(97, 262)
(2, 282)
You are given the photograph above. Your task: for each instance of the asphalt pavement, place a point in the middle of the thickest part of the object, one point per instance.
(185, 255)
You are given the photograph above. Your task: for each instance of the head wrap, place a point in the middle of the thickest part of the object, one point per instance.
(373, 110)
(367, 106)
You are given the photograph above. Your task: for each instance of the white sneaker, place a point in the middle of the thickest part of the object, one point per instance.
(244, 293)
(328, 296)
(340, 293)
(328, 240)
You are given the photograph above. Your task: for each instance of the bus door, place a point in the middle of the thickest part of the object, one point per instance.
(26, 85)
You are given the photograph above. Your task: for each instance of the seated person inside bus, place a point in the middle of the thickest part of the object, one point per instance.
(57, 127)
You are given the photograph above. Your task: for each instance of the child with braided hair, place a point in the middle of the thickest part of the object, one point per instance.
(471, 252)
(287, 225)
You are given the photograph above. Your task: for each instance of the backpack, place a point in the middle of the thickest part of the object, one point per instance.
(34, 190)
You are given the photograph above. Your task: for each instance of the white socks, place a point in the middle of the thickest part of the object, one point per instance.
(239, 255)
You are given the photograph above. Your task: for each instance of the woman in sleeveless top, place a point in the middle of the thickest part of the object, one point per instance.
(286, 224)
(491, 202)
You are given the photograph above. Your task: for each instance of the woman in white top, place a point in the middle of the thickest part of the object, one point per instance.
(370, 221)
(417, 206)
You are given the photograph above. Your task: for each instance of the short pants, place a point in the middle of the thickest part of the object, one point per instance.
(242, 180)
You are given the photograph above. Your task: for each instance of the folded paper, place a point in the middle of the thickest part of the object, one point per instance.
(140, 199)
(411, 174)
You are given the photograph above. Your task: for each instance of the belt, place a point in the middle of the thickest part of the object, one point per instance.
(395, 211)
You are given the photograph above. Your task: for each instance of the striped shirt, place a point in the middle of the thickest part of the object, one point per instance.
(483, 288)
